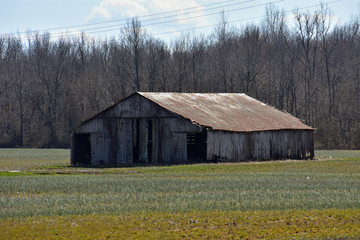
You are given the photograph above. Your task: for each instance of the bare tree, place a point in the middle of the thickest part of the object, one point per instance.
(251, 42)
(133, 36)
(52, 70)
(153, 59)
(278, 64)
(223, 37)
(197, 62)
(329, 44)
(180, 66)
(307, 34)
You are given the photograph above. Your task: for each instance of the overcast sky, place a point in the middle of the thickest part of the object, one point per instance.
(162, 18)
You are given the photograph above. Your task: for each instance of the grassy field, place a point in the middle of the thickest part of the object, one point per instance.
(42, 197)
(27, 159)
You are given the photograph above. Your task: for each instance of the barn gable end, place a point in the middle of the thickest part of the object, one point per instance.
(182, 128)
(135, 130)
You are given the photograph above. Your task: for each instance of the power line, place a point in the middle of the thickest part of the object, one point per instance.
(69, 33)
(73, 33)
(148, 15)
(187, 18)
(212, 25)
(241, 20)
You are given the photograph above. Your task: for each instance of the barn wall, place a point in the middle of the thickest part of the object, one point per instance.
(116, 143)
(100, 149)
(172, 135)
(93, 126)
(121, 134)
(124, 141)
(284, 144)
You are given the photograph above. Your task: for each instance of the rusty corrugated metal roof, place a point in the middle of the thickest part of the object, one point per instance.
(226, 111)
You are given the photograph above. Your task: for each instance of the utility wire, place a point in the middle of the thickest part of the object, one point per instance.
(73, 33)
(69, 33)
(182, 19)
(148, 15)
(241, 20)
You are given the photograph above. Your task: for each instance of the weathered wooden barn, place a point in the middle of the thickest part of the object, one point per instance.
(168, 128)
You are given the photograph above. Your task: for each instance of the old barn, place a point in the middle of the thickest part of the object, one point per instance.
(169, 128)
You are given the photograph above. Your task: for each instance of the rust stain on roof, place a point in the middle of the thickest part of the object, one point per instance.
(226, 111)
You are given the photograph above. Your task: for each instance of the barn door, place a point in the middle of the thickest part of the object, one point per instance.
(124, 148)
(144, 140)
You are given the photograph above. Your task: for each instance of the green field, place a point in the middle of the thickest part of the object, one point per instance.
(41, 196)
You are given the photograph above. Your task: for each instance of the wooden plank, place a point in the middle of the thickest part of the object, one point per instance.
(124, 139)
(138, 107)
(173, 144)
(228, 146)
(155, 141)
(95, 125)
(143, 141)
(100, 149)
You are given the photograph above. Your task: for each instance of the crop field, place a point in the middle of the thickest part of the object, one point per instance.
(42, 197)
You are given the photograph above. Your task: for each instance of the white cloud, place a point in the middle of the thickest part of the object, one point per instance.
(99, 11)
(108, 9)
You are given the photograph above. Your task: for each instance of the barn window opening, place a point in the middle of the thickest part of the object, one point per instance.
(82, 154)
(196, 146)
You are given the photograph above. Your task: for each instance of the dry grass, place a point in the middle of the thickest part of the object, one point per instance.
(314, 224)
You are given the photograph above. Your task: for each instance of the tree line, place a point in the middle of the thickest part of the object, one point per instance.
(310, 69)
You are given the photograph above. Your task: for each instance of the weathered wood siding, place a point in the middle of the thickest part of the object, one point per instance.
(93, 126)
(114, 134)
(100, 149)
(282, 144)
(124, 141)
(139, 130)
(137, 107)
(173, 139)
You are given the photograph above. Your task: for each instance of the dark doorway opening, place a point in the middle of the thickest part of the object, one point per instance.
(150, 141)
(143, 141)
(82, 149)
(136, 140)
(196, 146)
